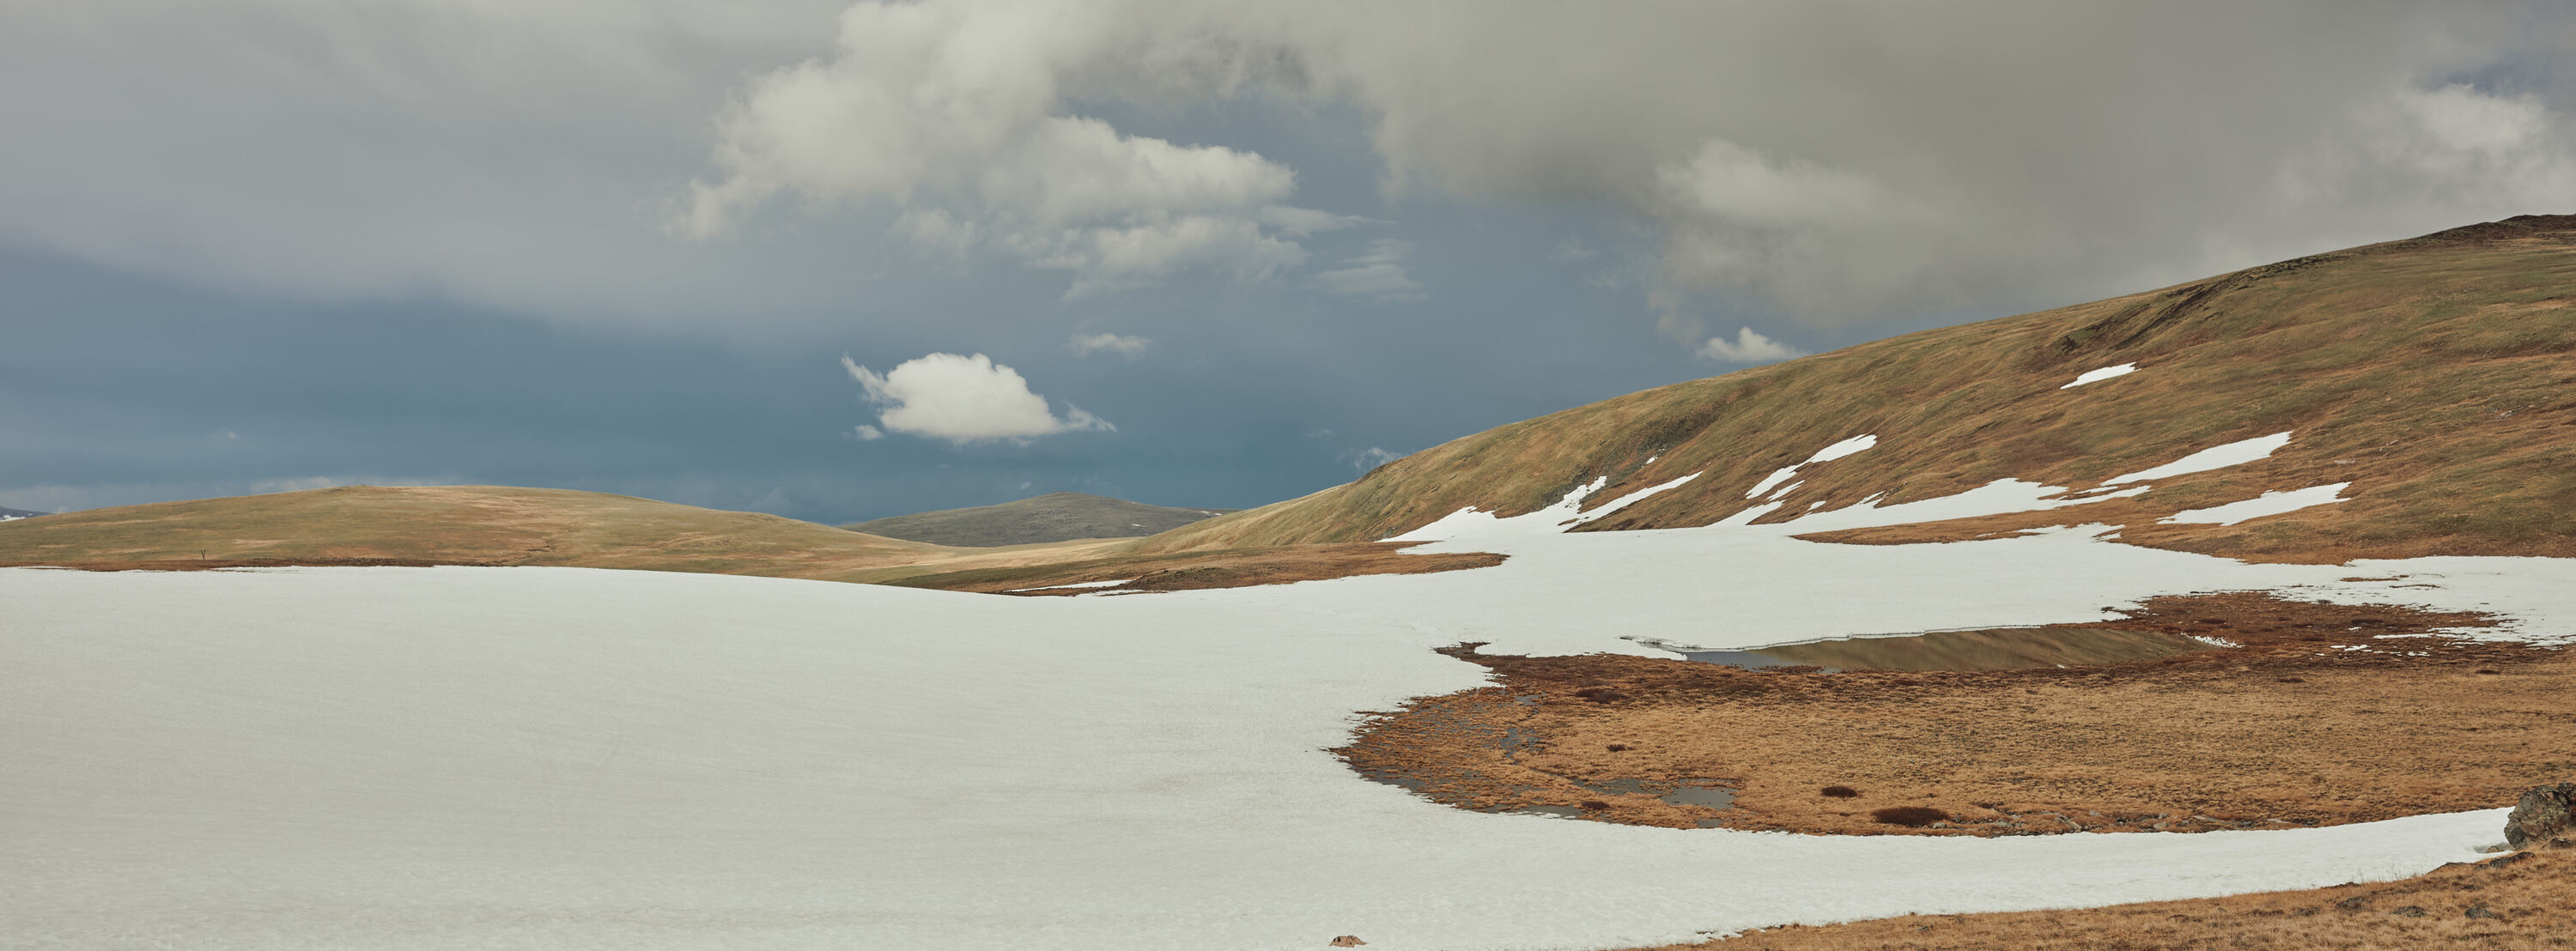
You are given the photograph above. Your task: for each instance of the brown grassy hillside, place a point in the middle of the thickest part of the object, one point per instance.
(501, 525)
(457, 525)
(2437, 375)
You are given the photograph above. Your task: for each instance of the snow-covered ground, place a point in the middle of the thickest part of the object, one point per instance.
(568, 758)
(2097, 376)
(2269, 503)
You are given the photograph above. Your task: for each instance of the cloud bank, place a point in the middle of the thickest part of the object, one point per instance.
(962, 399)
(1836, 160)
(1829, 159)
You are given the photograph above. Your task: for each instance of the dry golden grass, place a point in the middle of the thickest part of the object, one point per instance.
(2288, 730)
(2425, 372)
(499, 525)
(2522, 900)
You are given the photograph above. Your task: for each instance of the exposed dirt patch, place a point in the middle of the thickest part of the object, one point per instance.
(2324, 714)
(2523, 900)
(1197, 570)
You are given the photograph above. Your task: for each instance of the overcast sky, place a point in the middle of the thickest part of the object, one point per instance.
(842, 261)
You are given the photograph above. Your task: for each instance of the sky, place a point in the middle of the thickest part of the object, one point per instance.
(841, 261)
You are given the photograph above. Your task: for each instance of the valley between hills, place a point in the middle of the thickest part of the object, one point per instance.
(2339, 490)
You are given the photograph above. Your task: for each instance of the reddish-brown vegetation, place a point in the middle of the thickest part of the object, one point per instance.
(2522, 900)
(2317, 718)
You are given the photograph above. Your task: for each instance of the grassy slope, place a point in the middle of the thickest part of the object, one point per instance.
(1054, 517)
(2427, 372)
(461, 524)
(2517, 901)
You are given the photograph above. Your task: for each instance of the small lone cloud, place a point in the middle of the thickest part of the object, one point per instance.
(1084, 345)
(962, 399)
(867, 433)
(1372, 457)
(1748, 347)
(230, 435)
(1376, 274)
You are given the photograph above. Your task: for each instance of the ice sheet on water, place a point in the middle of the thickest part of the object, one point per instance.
(529, 757)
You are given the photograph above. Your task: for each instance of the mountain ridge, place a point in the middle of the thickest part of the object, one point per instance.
(2418, 371)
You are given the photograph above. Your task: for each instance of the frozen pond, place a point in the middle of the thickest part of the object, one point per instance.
(566, 758)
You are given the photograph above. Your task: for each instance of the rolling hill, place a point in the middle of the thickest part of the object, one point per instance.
(2432, 377)
(486, 525)
(1053, 517)
(504, 525)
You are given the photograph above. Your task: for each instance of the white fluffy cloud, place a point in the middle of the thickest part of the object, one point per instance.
(1748, 347)
(1364, 460)
(962, 399)
(1124, 345)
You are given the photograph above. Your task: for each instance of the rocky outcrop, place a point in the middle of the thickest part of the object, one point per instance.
(2542, 819)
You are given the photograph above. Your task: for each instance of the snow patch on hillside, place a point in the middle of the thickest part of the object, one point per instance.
(1565, 514)
(2269, 503)
(2097, 376)
(1827, 454)
(2216, 457)
(2000, 497)
(1077, 584)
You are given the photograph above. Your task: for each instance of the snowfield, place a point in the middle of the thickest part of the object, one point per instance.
(570, 758)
